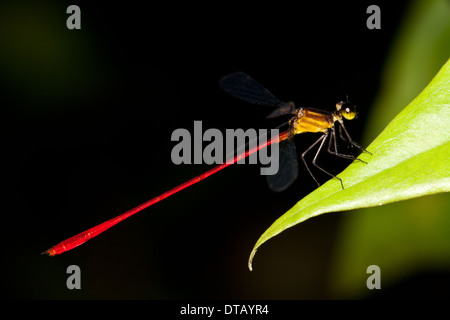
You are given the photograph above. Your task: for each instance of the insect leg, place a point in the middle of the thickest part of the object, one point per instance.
(335, 152)
(349, 139)
(317, 153)
(322, 138)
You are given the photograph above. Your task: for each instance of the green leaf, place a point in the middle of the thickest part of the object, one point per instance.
(410, 159)
(406, 239)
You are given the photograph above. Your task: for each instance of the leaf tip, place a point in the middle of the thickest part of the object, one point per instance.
(250, 260)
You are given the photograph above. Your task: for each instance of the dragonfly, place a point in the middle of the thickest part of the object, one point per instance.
(242, 86)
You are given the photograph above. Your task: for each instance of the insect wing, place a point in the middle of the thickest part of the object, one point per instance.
(244, 87)
(287, 167)
(285, 108)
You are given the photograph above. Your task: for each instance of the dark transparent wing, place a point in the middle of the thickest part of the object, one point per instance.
(286, 108)
(287, 169)
(244, 87)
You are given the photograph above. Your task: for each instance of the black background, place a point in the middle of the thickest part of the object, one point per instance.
(84, 146)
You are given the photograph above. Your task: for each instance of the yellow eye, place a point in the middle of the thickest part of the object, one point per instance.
(348, 112)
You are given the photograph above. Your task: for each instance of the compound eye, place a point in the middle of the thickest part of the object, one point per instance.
(348, 112)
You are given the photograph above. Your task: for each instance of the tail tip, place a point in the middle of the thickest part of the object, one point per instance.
(50, 252)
